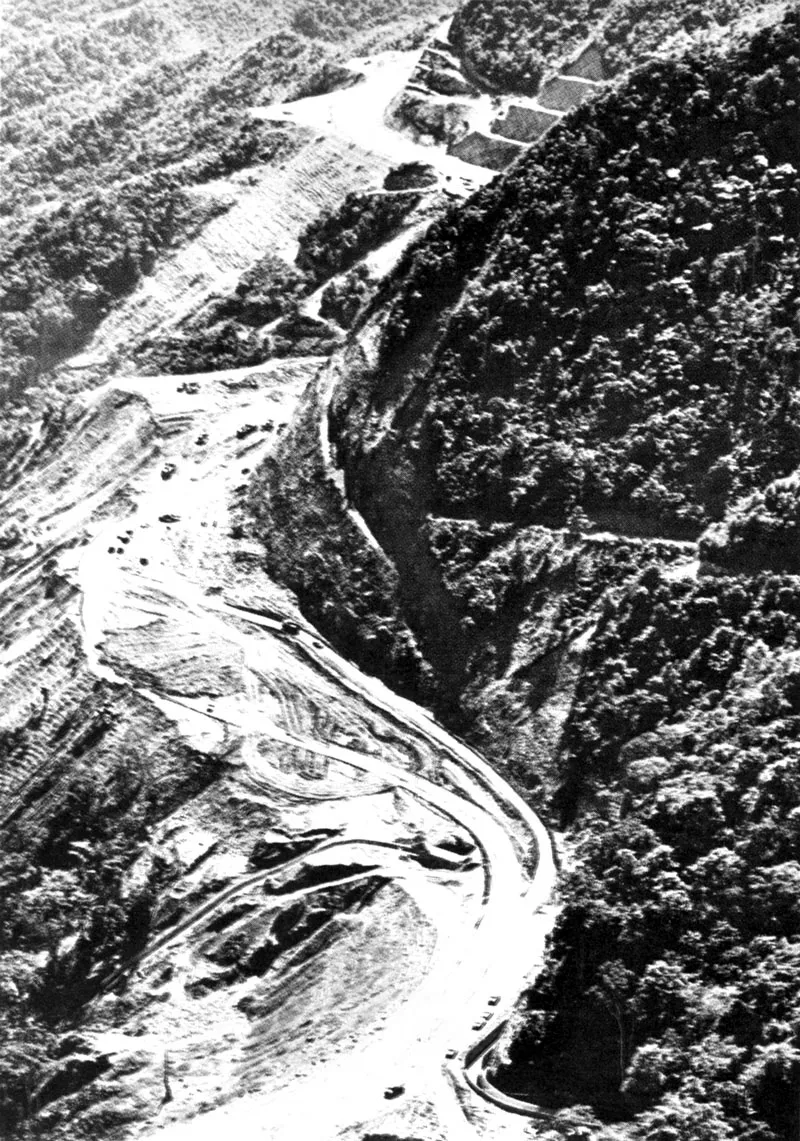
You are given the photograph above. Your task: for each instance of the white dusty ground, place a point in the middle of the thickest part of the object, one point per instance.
(460, 929)
(161, 583)
(358, 117)
(347, 140)
(345, 144)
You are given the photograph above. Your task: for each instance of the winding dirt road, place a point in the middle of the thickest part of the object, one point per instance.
(147, 612)
(139, 504)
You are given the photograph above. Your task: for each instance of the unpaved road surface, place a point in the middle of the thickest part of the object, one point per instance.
(172, 606)
(487, 950)
(277, 1001)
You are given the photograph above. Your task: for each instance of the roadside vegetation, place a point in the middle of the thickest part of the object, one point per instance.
(343, 299)
(335, 241)
(584, 370)
(761, 532)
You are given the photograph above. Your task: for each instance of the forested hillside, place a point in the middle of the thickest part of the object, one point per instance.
(513, 43)
(583, 371)
(629, 345)
(104, 90)
(673, 992)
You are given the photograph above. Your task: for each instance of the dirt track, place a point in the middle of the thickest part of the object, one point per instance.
(170, 605)
(167, 619)
(136, 508)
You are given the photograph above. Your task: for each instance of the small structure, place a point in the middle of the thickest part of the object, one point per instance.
(486, 150)
(588, 64)
(524, 124)
(563, 93)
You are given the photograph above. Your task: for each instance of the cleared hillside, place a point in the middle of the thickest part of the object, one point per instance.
(111, 117)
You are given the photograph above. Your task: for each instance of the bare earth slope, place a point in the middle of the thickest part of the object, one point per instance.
(412, 873)
(252, 888)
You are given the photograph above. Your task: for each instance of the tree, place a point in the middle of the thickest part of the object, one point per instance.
(614, 991)
(773, 1081)
(681, 1117)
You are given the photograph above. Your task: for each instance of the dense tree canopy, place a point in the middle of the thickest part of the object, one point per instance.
(511, 44)
(761, 531)
(627, 342)
(673, 976)
(606, 340)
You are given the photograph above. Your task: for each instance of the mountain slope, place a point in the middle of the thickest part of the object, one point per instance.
(623, 358)
(628, 344)
(514, 42)
(118, 126)
(565, 382)
(545, 476)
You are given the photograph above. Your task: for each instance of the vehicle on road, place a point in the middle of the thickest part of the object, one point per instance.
(290, 627)
(392, 1092)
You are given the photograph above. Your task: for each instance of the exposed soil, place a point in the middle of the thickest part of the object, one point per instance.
(340, 885)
